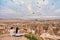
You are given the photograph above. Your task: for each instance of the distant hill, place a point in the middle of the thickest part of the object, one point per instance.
(11, 20)
(22, 20)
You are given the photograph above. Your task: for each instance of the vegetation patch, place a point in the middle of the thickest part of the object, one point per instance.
(1, 33)
(32, 37)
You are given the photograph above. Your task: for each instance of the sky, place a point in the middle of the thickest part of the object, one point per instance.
(30, 9)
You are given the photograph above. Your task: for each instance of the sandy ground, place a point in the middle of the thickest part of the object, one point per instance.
(6, 37)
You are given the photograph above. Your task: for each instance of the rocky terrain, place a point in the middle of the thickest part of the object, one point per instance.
(51, 27)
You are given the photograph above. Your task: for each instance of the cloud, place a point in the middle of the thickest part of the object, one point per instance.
(51, 7)
(29, 8)
(41, 2)
(10, 13)
(57, 12)
(18, 2)
(7, 11)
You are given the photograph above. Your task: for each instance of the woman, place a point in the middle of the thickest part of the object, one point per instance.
(11, 31)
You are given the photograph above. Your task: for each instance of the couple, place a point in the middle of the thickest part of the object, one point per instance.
(12, 31)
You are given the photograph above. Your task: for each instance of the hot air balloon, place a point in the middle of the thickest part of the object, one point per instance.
(43, 0)
(52, 3)
(33, 13)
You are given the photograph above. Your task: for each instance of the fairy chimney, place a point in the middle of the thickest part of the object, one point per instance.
(50, 30)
